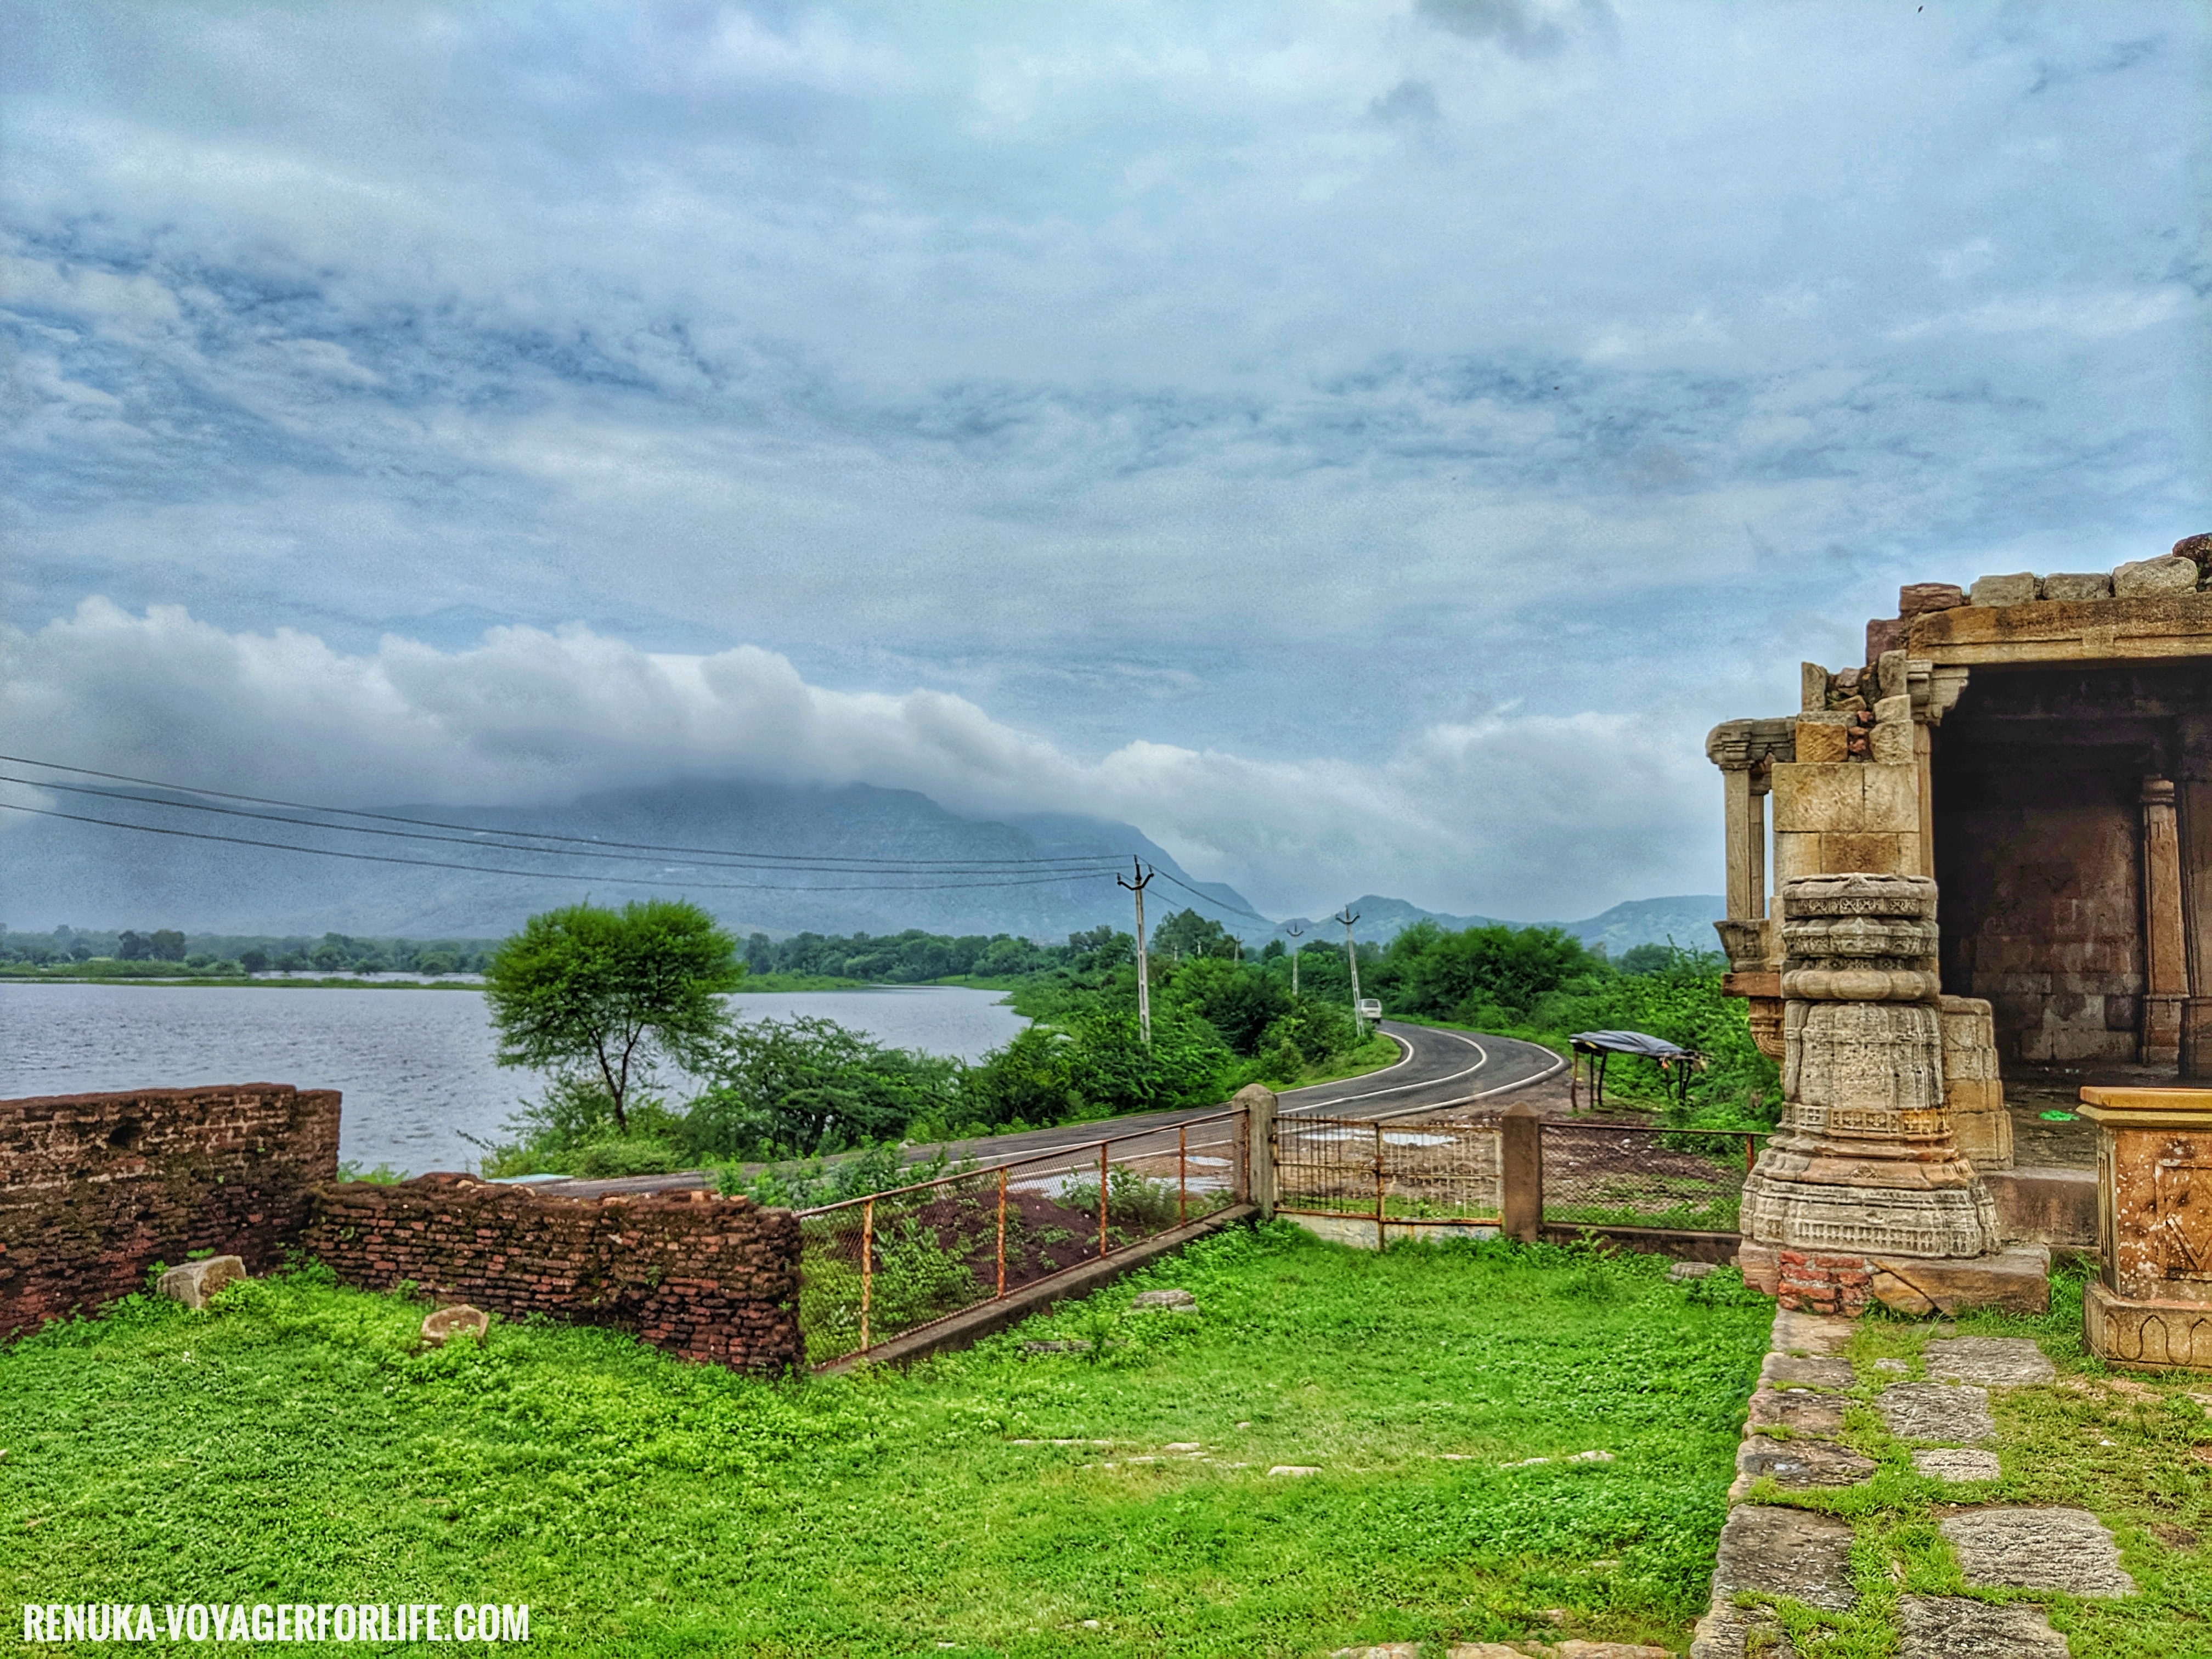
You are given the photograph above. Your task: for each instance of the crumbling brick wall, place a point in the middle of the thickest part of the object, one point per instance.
(704, 1278)
(96, 1189)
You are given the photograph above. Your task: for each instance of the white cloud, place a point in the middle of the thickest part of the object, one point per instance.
(1526, 814)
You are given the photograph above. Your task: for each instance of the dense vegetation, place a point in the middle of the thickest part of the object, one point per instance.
(298, 1443)
(90, 953)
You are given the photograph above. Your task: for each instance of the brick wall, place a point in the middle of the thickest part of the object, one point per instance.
(96, 1188)
(704, 1278)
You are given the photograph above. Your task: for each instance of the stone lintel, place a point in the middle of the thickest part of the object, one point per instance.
(2051, 630)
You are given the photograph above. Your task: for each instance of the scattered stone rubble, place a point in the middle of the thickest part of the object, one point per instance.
(194, 1282)
(460, 1320)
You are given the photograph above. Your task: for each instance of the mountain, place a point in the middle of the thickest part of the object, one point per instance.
(1686, 919)
(87, 876)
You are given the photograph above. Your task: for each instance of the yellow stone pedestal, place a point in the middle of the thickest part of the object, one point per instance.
(2152, 1303)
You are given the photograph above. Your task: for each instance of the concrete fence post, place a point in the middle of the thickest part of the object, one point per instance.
(1520, 1173)
(1258, 1105)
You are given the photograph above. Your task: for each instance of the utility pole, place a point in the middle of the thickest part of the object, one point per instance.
(1139, 879)
(1347, 916)
(1296, 933)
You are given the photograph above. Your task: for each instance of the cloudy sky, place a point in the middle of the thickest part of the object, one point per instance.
(1364, 445)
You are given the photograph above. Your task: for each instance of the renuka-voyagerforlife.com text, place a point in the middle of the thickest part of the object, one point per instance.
(284, 1621)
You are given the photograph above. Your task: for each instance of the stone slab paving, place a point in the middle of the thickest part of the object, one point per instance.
(2052, 1549)
(1956, 1463)
(1800, 1465)
(1948, 1411)
(1994, 1361)
(1789, 1372)
(1801, 1411)
(1774, 1550)
(1953, 1627)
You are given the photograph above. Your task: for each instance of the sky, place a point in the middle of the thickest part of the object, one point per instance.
(1365, 446)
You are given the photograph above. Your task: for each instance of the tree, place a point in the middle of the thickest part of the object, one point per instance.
(809, 1085)
(254, 960)
(133, 947)
(589, 989)
(169, 944)
(1186, 933)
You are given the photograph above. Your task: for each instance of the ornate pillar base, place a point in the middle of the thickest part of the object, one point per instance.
(1864, 1194)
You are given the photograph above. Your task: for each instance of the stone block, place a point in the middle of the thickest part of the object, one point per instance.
(1801, 1465)
(460, 1320)
(2151, 578)
(2198, 548)
(2016, 589)
(1822, 742)
(1946, 1411)
(1891, 743)
(2094, 585)
(194, 1282)
(2039, 1549)
(1881, 854)
(1796, 853)
(1801, 1411)
(1819, 796)
(2048, 1205)
(1812, 1333)
(1767, 1550)
(1886, 636)
(1165, 1301)
(1955, 1627)
(2011, 1362)
(2017, 1280)
(1812, 687)
(1956, 1463)
(1892, 799)
(2151, 1335)
(1915, 599)
(1784, 1370)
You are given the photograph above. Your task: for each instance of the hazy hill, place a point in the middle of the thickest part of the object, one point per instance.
(86, 876)
(1687, 920)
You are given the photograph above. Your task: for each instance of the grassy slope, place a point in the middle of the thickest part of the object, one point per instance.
(292, 1445)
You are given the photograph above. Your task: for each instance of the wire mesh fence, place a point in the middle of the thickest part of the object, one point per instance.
(1440, 1172)
(1641, 1175)
(878, 1268)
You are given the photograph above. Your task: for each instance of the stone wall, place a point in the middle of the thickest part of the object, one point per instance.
(704, 1278)
(96, 1189)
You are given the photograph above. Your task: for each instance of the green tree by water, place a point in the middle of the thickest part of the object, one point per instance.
(587, 991)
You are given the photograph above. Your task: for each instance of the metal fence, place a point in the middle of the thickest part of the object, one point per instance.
(882, 1266)
(1642, 1174)
(1399, 1175)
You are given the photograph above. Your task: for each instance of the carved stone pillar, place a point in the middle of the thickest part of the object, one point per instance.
(2165, 963)
(2194, 800)
(1974, 1088)
(1863, 1192)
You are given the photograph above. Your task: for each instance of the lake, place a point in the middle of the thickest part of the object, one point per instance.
(414, 1067)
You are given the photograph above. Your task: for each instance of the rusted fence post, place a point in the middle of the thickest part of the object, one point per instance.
(1182, 1174)
(867, 1265)
(1520, 1173)
(1002, 1231)
(1101, 1200)
(1380, 1239)
(1258, 1105)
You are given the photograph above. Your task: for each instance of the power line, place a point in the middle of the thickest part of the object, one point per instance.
(557, 875)
(1109, 859)
(978, 868)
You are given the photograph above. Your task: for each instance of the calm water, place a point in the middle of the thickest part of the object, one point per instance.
(416, 1066)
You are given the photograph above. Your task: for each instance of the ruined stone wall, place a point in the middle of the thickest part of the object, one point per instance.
(96, 1189)
(704, 1278)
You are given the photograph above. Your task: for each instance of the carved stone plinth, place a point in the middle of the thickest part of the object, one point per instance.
(1864, 1166)
(2151, 1305)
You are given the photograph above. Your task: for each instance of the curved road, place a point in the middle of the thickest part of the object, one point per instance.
(1437, 1068)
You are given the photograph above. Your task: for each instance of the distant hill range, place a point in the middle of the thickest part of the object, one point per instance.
(1686, 919)
(87, 876)
(58, 872)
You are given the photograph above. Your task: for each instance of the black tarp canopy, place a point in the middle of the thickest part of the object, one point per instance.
(1594, 1048)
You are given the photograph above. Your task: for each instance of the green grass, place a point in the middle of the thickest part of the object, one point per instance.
(291, 1443)
(2116, 1443)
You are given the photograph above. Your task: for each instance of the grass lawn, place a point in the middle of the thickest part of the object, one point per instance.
(293, 1445)
(2133, 1448)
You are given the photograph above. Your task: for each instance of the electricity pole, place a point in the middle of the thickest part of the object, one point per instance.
(1139, 879)
(1347, 916)
(1296, 933)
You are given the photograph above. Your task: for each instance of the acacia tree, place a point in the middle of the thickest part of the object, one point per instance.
(587, 989)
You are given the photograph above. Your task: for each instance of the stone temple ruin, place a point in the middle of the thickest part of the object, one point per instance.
(2039, 751)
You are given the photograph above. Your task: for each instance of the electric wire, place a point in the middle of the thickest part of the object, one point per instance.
(978, 868)
(1070, 859)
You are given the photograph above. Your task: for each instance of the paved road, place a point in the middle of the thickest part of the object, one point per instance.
(1438, 1068)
